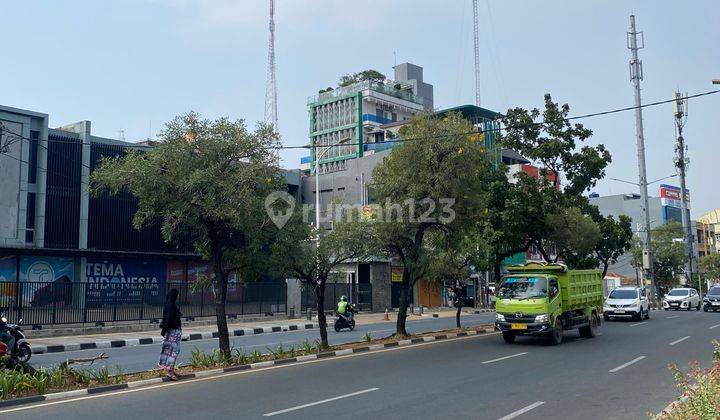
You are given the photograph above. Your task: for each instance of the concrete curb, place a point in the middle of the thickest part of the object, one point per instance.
(131, 342)
(251, 366)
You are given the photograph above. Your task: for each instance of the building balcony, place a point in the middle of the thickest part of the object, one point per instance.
(404, 92)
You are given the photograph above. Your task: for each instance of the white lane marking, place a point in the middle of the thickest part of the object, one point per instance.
(339, 397)
(674, 316)
(715, 326)
(679, 340)
(503, 358)
(522, 410)
(639, 323)
(623, 366)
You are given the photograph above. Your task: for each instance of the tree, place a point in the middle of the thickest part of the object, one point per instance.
(453, 262)
(365, 75)
(548, 138)
(299, 255)
(669, 256)
(572, 232)
(205, 182)
(428, 188)
(710, 265)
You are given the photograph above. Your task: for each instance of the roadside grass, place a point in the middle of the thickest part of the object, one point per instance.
(22, 381)
(700, 391)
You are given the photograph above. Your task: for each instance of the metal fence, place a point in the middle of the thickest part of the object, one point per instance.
(359, 294)
(74, 303)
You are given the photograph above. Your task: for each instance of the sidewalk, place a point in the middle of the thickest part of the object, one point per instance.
(203, 332)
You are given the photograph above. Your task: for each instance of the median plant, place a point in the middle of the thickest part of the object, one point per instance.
(239, 357)
(256, 356)
(367, 337)
(700, 391)
(307, 347)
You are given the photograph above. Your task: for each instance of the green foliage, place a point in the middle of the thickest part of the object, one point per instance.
(371, 75)
(669, 256)
(701, 391)
(572, 232)
(256, 356)
(307, 347)
(549, 138)
(206, 183)
(710, 265)
(367, 337)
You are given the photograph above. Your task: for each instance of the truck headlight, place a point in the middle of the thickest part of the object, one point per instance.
(542, 318)
(500, 317)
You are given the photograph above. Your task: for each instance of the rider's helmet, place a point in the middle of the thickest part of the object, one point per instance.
(343, 298)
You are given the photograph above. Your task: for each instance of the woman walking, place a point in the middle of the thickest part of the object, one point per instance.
(171, 330)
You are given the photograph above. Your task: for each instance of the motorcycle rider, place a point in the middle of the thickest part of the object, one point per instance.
(343, 308)
(6, 336)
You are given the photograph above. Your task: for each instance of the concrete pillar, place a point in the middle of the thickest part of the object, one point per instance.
(294, 296)
(41, 183)
(381, 286)
(84, 186)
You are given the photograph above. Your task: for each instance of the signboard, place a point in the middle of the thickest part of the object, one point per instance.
(670, 196)
(396, 274)
(124, 281)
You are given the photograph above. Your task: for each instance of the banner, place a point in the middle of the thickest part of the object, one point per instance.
(125, 281)
(8, 277)
(396, 274)
(47, 280)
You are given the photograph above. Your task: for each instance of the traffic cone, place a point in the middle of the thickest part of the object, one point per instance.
(387, 316)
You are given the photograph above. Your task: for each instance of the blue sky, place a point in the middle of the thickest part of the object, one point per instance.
(133, 64)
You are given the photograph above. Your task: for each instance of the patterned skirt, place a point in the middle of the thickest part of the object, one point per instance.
(170, 349)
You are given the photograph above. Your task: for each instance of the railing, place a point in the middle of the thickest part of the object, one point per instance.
(56, 303)
(386, 88)
(359, 294)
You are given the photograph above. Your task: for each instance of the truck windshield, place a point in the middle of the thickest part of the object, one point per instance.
(523, 288)
(623, 294)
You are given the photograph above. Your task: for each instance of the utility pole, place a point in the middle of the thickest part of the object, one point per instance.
(636, 75)
(681, 162)
(271, 116)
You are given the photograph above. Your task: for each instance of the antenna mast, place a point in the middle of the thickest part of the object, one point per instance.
(477, 52)
(271, 86)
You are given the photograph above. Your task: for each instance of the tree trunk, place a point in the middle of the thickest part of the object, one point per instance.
(402, 309)
(220, 286)
(457, 314)
(322, 320)
(606, 264)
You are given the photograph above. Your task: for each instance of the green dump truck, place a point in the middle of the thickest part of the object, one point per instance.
(546, 299)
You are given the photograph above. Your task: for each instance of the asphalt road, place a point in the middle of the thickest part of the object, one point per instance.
(137, 358)
(621, 374)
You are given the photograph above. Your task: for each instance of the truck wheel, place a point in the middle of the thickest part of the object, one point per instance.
(509, 336)
(590, 331)
(556, 335)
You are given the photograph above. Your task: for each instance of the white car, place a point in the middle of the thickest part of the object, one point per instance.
(682, 298)
(627, 301)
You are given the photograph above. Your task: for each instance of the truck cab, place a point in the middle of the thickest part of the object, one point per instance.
(546, 299)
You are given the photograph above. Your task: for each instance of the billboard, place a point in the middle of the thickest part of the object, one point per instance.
(670, 196)
(124, 281)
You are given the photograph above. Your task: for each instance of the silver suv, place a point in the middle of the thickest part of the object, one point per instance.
(627, 301)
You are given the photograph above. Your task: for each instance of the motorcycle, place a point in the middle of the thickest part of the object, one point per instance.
(345, 321)
(22, 350)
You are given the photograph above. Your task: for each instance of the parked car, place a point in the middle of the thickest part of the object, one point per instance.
(627, 301)
(711, 301)
(682, 298)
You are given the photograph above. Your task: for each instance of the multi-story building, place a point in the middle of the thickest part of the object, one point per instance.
(353, 114)
(662, 209)
(708, 232)
(52, 230)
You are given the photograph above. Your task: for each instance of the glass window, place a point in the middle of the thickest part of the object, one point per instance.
(32, 160)
(518, 287)
(554, 288)
(679, 292)
(623, 294)
(714, 291)
(30, 218)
